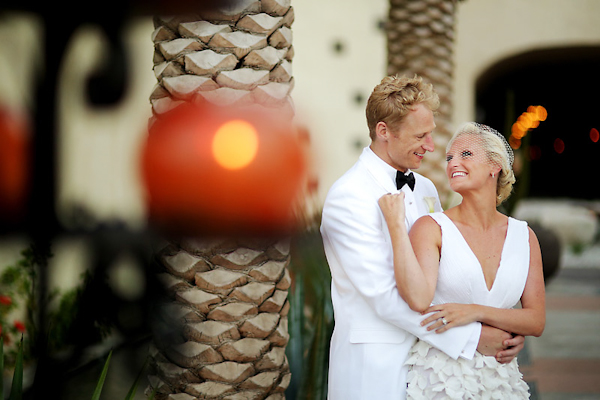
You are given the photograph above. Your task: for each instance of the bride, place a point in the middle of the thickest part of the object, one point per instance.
(469, 263)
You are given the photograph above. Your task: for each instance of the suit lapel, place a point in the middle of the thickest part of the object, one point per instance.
(385, 175)
(411, 206)
(379, 170)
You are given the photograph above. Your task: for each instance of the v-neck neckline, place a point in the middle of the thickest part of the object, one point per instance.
(477, 259)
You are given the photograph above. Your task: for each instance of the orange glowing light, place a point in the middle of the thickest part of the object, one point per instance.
(235, 144)
(559, 145)
(525, 122)
(514, 142)
(522, 126)
(542, 114)
(594, 135)
(527, 119)
(517, 132)
(216, 170)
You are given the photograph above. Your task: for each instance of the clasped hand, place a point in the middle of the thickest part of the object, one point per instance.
(449, 315)
(392, 206)
(493, 342)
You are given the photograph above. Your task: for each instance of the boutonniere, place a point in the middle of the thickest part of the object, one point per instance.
(430, 203)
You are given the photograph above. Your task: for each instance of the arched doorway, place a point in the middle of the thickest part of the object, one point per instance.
(561, 157)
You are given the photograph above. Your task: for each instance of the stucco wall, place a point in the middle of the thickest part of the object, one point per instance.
(327, 82)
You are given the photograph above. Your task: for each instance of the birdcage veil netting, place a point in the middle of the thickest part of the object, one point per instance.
(482, 143)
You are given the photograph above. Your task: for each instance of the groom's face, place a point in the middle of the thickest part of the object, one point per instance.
(411, 139)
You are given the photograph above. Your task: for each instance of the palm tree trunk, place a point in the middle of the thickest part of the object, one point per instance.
(222, 332)
(420, 41)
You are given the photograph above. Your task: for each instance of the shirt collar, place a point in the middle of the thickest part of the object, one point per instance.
(381, 165)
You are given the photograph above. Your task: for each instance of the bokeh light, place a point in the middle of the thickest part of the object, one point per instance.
(525, 122)
(535, 153)
(514, 142)
(594, 135)
(235, 144)
(220, 170)
(14, 164)
(541, 112)
(559, 145)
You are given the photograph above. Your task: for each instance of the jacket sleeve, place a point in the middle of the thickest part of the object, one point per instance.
(355, 240)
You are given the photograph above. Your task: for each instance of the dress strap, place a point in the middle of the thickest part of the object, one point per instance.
(439, 217)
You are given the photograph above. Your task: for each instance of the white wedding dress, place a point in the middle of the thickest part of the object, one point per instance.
(434, 375)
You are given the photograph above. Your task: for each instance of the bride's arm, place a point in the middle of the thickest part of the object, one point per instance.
(415, 279)
(529, 320)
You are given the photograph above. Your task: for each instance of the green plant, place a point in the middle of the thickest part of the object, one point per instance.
(102, 379)
(310, 319)
(578, 248)
(19, 297)
(62, 318)
(16, 389)
(100, 384)
(17, 300)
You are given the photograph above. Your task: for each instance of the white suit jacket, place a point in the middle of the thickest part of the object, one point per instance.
(374, 328)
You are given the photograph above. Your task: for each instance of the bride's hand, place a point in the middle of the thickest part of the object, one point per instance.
(450, 315)
(392, 206)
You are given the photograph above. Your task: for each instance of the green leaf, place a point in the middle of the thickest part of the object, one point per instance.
(133, 389)
(153, 394)
(295, 346)
(311, 265)
(1, 366)
(98, 391)
(16, 390)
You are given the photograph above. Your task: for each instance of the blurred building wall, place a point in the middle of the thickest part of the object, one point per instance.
(489, 31)
(340, 55)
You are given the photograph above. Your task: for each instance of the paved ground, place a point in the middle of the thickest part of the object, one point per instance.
(564, 363)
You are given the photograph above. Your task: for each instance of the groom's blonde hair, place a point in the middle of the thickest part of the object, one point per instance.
(394, 97)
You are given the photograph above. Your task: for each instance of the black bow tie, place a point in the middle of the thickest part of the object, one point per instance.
(402, 179)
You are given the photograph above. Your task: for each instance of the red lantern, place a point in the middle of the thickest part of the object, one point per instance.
(14, 164)
(214, 170)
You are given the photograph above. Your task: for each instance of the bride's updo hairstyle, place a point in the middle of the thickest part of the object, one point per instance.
(498, 152)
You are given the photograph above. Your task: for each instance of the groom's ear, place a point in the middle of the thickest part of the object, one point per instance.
(381, 131)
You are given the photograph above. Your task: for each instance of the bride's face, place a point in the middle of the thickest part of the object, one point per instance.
(468, 164)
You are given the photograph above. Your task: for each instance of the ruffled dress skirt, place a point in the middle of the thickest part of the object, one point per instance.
(434, 375)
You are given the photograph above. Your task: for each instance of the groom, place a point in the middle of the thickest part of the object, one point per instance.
(374, 327)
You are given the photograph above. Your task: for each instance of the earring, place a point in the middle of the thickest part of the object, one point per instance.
(493, 175)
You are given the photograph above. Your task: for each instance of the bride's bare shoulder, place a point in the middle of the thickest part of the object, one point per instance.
(426, 224)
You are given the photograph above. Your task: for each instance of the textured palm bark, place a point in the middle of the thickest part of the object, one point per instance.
(420, 41)
(222, 330)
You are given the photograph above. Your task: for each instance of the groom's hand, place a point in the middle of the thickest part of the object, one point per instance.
(514, 347)
(497, 343)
